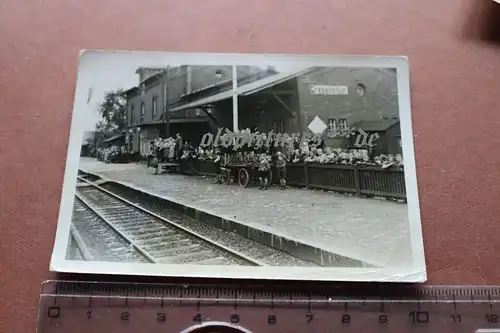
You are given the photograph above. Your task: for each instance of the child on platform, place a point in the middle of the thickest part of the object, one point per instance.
(281, 166)
(264, 168)
(217, 162)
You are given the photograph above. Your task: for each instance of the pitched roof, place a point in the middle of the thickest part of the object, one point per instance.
(270, 81)
(130, 91)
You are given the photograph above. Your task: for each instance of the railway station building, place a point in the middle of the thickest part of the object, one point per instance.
(193, 100)
(154, 106)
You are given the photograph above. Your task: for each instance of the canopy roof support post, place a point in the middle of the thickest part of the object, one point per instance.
(235, 99)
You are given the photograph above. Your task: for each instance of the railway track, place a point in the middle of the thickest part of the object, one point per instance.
(134, 233)
(93, 236)
(77, 249)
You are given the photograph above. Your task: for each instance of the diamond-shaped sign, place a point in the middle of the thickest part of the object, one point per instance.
(317, 126)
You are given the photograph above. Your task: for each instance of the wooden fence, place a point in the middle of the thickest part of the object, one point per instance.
(358, 180)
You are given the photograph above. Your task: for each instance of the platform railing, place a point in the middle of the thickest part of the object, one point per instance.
(363, 181)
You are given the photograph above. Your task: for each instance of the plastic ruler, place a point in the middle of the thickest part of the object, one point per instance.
(104, 307)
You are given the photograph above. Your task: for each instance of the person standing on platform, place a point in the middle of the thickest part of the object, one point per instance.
(281, 167)
(171, 150)
(159, 151)
(264, 168)
(217, 162)
(179, 146)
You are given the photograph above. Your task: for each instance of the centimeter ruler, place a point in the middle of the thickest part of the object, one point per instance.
(104, 307)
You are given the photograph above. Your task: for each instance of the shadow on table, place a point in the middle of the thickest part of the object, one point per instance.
(482, 21)
(346, 289)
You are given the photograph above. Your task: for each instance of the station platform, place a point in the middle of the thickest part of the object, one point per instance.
(373, 231)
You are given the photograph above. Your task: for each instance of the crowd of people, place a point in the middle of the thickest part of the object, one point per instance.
(309, 152)
(171, 149)
(347, 157)
(114, 154)
(261, 157)
(175, 149)
(263, 161)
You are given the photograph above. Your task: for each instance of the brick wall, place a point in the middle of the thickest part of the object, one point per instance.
(135, 102)
(379, 99)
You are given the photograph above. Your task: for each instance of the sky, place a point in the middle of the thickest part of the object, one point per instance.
(99, 89)
(103, 71)
(112, 71)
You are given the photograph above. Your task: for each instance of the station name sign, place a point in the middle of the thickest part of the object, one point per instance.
(335, 90)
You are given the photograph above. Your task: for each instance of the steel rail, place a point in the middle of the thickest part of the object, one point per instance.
(138, 248)
(209, 242)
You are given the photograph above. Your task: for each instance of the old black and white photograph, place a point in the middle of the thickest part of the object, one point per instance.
(241, 166)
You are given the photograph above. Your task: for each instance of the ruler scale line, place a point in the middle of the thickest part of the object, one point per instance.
(80, 307)
(348, 301)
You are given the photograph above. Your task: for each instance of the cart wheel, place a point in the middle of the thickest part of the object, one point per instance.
(227, 179)
(270, 177)
(243, 177)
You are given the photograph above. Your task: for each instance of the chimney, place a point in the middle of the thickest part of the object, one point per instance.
(147, 72)
(271, 69)
(140, 72)
(189, 78)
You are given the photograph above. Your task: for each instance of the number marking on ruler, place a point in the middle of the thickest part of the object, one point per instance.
(111, 307)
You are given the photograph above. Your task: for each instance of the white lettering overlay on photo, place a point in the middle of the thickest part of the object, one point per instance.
(239, 139)
(251, 166)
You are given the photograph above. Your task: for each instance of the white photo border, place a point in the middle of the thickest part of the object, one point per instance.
(89, 62)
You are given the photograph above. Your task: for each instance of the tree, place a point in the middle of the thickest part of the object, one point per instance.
(112, 112)
(102, 127)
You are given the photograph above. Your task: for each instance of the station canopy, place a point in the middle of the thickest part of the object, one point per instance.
(114, 138)
(244, 90)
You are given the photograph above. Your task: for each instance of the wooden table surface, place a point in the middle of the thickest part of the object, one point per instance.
(454, 54)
